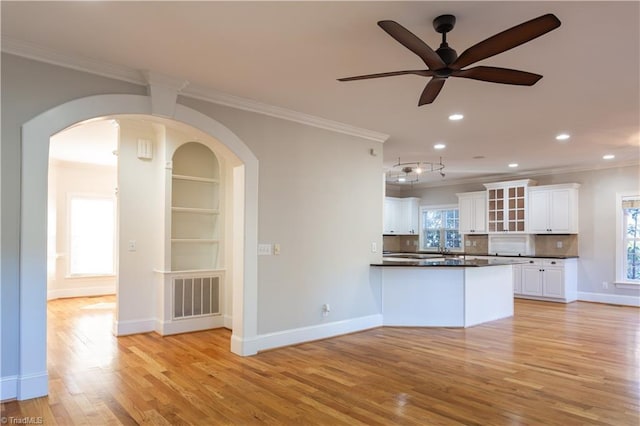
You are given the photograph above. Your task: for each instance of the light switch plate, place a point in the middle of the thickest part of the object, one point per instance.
(265, 249)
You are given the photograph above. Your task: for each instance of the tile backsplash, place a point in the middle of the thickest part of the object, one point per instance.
(556, 245)
(400, 243)
(545, 245)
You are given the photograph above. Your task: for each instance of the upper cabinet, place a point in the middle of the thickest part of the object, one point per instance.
(401, 216)
(472, 207)
(553, 209)
(507, 205)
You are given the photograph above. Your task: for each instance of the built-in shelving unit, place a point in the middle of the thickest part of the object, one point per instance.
(195, 208)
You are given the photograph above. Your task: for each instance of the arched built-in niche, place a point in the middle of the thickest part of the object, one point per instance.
(195, 209)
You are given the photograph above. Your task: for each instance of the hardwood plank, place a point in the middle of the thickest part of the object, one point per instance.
(551, 364)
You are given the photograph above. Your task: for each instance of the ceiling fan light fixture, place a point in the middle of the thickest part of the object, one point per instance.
(439, 146)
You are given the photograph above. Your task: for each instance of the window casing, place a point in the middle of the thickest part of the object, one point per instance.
(439, 228)
(628, 239)
(91, 235)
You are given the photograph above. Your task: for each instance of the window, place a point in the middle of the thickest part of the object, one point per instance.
(91, 235)
(439, 228)
(628, 239)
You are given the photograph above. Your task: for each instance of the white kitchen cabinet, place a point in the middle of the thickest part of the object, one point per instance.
(549, 279)
(401, 216)
(517, 279)
(472, 207)
(553, 209)
(507, 206)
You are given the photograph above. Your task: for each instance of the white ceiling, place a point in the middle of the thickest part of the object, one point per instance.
(92, 142)
(289, 54)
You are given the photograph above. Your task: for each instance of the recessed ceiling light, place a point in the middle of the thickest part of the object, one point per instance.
(456, 117)
(402, 179)
(439, 146)
(563, 137)
(608, 157)
(513, 165)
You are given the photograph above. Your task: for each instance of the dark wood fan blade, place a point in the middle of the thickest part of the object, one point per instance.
(413, 43)
(424, 73)
(499, 75)
(507, 39)
(430, 92)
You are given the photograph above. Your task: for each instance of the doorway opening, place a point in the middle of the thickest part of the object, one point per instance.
(36, 133)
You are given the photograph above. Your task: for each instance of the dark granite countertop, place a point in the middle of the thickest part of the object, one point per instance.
(530, 256)
(448, 262)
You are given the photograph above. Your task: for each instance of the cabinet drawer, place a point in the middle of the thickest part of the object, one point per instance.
(553, 262)
(534, 262)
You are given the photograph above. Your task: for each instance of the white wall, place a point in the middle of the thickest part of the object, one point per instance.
(597, 220)
(321, 200)
(320, 195)
(28, 89)
(140, 221)
(65, 179)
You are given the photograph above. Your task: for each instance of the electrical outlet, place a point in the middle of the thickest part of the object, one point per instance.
(374, 247)
(467, 243)
(605, 284)
(276, 249)
(132, 245)
(326, 309)
(559, 244)
(474, 243)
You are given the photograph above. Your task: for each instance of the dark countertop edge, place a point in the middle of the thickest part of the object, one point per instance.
(532, 256)
(427, 264)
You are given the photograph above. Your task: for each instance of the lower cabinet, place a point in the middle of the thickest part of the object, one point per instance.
(547, 279)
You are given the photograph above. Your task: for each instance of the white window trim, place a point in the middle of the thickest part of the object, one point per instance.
(420, 226)
(72, 195)
(621, 281)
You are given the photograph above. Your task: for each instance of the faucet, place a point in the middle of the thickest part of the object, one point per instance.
(443, 250)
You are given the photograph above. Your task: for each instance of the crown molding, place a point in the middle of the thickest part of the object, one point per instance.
(118, 72)
(92, 66)
(211, 95)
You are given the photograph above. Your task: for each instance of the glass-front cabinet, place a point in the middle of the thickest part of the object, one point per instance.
(507, 205)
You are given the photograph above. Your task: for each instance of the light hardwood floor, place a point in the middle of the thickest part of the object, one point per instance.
(551, 364)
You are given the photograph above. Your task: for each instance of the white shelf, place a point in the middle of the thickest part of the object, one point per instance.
(195, 178)
(195, 210)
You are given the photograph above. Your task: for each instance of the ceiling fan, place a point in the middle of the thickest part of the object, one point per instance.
(445, 62)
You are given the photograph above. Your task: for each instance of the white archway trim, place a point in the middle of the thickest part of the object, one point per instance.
(32, 380)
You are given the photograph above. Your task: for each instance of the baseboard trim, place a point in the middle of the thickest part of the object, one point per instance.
(316, 332)
(228, 322)
(124, 328)
(8, 388)
(614, 299)
(60, 293)
(167, 328)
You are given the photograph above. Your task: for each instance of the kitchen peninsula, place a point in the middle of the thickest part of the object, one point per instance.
(444, 292)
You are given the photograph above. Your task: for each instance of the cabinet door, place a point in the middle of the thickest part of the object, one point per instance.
(560, 210)
(539, 211)
(517, 279)
(410, 216)
(390, 216)
(480, 213)
(466, 209)
(532, 280)
(553, 283)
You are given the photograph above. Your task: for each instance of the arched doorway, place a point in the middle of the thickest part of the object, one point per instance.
(33, 236)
